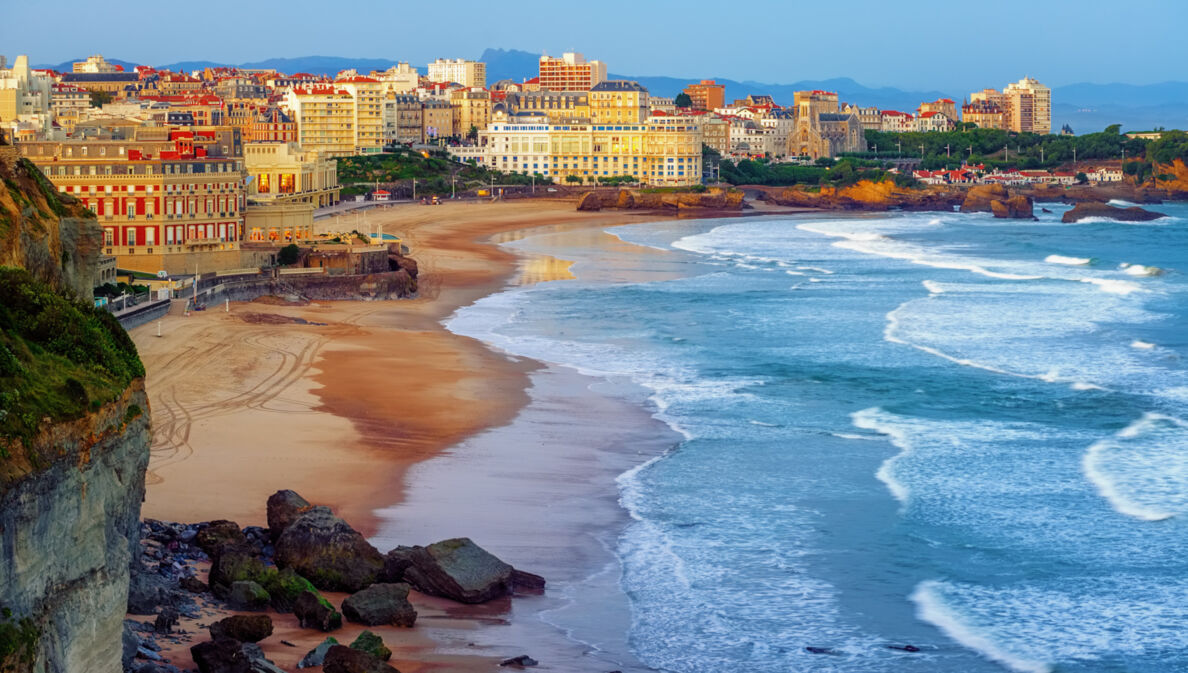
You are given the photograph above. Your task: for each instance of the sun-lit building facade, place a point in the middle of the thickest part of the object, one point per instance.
(570, 72)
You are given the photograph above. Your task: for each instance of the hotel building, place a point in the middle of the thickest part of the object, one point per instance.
(571, 72)
(707, 95)
(163, 203)
(470, 74)
(1029, 106)
(325, 117)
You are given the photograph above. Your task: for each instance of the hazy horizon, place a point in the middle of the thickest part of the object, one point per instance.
(938, 46)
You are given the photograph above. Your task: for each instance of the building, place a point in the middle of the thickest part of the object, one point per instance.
(984, 113)
(944, 106)
(706, 95)
(822, 129)
(325, 117)
(715, 133)
(402, 78)
(662, 104)
(571, 72)
(95, 64)
(403, 119)
(471, 109)
(618, 102)
(26, 97)
(932, 121)
(871, 118)
(661, 151)
(556, 105)
(895, 121)
(368, 95)
(471, 74)
(437, 120)
(163, 202)
(284, 186)
(1029, 106)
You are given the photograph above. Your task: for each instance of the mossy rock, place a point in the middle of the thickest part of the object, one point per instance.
(248, 596)
(284, 586)
(372, 644)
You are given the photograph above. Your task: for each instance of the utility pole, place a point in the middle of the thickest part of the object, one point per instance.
(453, 184)
(921, 151)
(899, 147)
(1041, 154)
(414, 189)
(534, 183)
(948, 151)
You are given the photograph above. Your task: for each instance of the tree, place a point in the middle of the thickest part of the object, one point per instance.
(288, 254)
(100, 98)
(683, 100)
(1081, 179)
(472, 134)
(572, 179)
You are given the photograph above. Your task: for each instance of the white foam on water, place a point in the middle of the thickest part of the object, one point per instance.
(1140, 270)
(1080, 385)
(873, 419)
(931, 608)
(1121, 203)
(855, 436)
(933, 287)
(1113, 286)
(1142, 471)
(818, 269)
(762, 424)
(1142, 345)
(1068, 261)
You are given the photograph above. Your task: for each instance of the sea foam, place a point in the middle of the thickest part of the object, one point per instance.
(1068, 261)
(931, 608)
(1142, 471)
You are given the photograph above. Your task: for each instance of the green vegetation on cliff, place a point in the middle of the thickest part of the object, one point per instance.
(433, 173)
(843, 173)
(18, 641)
(58, 359)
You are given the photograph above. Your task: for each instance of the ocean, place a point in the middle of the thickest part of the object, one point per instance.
(938, 430)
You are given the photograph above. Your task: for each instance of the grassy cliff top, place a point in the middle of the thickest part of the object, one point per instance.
(58, 360)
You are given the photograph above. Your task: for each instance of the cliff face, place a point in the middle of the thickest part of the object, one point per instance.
(46, 232)
(68, 533)
(74, 439)
(714, 198)
(867, 195)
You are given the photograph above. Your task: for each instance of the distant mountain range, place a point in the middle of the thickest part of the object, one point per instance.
(1086, 107)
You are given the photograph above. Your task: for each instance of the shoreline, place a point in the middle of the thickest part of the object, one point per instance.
(341, 409)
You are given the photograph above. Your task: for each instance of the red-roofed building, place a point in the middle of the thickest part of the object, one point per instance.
(944, 106)
(895, 121)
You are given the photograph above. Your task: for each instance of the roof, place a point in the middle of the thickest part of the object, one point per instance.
(358, 79)
(619, 85)
(100, 77)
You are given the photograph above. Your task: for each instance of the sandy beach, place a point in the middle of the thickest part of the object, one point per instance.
(339, 400)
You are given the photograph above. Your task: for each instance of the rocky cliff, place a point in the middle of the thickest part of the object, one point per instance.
(74, 440)
(44, 231)
(714, 198)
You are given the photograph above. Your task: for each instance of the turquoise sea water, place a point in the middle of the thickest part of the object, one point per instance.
(964, 434)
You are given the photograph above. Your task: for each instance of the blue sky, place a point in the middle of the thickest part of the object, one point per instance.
(918, 44)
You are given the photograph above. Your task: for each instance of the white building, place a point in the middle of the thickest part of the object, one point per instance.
(470, 74)
(895, 121)
(400, 78)
(25, 97)
(932, 121)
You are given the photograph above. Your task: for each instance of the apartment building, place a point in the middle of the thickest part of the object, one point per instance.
(471, 74)
(368, 94)
(944, 106)
(707, 95)
(403, 119)
(401, 78)
(618, 102)
(470, 108)
(985, 113)
(555, 105)
(325, 117)
(95, 64)
(163, 204)
(895, 121)
(26, 96)
(1028, 106)
(437, 120)
(932, 121)
(570, 72)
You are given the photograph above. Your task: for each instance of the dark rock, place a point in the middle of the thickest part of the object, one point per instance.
(143, 652)
(522, 661)
(328, 552)
(147, 591)
(218, 534)
(283, 509)
(372, 644)
(458, 569)
(284, 587)
(341, 659)
(314, 612)
(130, 642)
(193, 585)
(1017, 207)
(1091, 209)
(590, 201)
(904, 648)
(821, 650)
(226, 655)
(317, 655)
(234, 564)
(244, 628)
(166, 620)
(246, 595)
(395, 563)
(526, 582)
(380, 604)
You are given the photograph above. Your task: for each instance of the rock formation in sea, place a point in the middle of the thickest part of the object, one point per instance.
(1094, 209)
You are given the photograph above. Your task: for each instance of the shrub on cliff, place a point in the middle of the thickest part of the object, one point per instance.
(58, 358)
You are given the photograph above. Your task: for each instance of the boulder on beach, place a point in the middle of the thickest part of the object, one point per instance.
(216, 535)
(590, 201)
(380, 604)
(329, 553)
(979, 197)
(226, 655)
(372, 644)
(244, 628)
(314, 612)
(317, 656)
(1094, 209)
(1017, 207)
(247, 596)
(283, 508)
(341, 659)
(233, 564)
(457, 569)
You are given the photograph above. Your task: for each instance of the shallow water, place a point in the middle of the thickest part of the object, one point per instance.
(966, 434)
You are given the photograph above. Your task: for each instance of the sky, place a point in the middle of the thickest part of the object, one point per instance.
(918, 44)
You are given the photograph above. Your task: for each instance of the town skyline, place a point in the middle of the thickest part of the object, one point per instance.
(1006, 41)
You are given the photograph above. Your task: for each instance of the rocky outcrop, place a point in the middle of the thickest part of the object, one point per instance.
(340, 659)
(457, 569)
(317, 656)
(47, 232)
(71, 530)
(1091, 209)
(324, 549)
(283, 508)
(314, 612)
(978, 199)
(714, 198)
(380, 604)
(867, 195)
(371, 644)
(226, 655)
(1018, 207)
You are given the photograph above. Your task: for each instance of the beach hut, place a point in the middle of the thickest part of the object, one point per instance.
(381, 195)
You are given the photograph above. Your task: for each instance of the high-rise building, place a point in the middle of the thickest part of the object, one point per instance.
(1029, 106)
(26, 96)
(707, 95)
(571, 72)
(325, 117)
(467, 73)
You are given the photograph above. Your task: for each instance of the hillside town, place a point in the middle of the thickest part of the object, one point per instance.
(214, 168)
